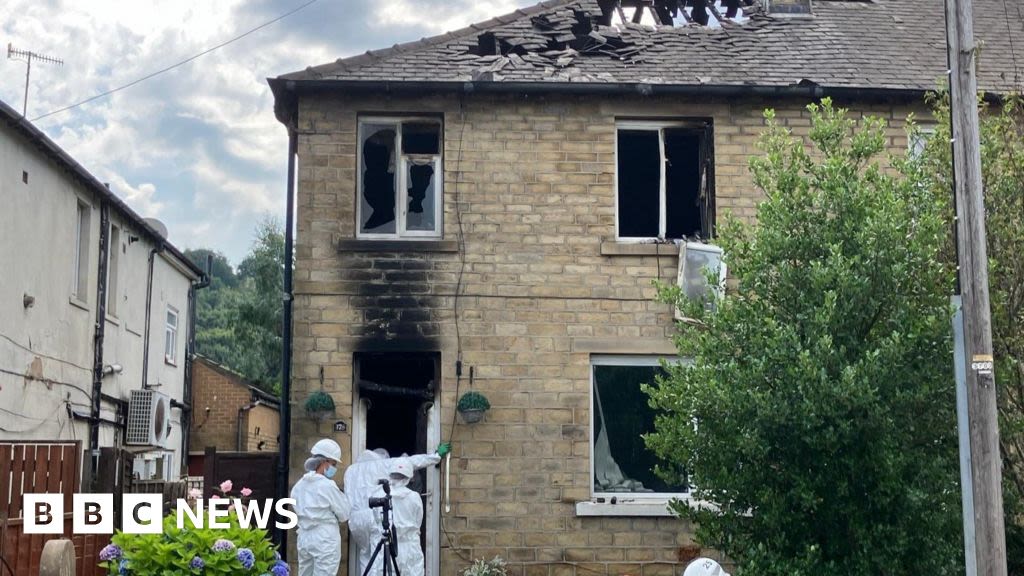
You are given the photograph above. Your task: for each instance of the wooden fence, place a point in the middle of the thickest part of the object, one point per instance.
(40, 467)
(256, 471)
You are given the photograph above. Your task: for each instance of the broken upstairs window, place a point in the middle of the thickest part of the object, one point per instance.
(665, 180)
(399, 178)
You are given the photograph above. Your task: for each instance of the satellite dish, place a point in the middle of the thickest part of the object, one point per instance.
(157, 225)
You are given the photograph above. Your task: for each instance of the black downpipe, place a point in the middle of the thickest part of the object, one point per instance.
(286, 340)
(190, 350)
(97, 354)
(149, 312)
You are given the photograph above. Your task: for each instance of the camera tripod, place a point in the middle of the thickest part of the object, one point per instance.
(388, 538)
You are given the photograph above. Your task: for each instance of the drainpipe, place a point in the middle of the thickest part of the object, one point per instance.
(97, 354)
(286, 340)
(149, 310)
(190, 350)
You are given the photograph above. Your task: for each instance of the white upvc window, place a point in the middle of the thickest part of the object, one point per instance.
(399, 178)
(80, 270)
(621, 466)
(664, 180)
(113, 267)
(171, 336)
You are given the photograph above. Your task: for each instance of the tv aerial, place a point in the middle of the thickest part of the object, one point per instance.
(28, 56)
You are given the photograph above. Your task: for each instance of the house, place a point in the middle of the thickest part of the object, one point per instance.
(95, 320)
(487, 209)
(230, 414)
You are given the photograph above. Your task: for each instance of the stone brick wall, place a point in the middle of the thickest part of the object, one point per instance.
(542, 284)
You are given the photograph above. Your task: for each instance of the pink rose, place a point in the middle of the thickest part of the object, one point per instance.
(214, 497)
(195, 493)
(226, 486)
(246, 492)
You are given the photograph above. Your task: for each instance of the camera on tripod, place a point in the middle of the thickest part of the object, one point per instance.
(382, 501)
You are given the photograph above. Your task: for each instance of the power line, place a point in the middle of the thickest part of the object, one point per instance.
(181, 63)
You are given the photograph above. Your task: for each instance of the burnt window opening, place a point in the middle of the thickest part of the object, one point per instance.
(665, 180)
(400, 173)
(398, 389)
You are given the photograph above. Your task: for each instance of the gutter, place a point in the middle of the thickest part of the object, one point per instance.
(283, 455)
(98, 335)
(287, 89)
(149, 312)
(190, 351)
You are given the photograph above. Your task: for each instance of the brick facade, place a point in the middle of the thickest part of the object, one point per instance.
(218, 394)
(543, 287)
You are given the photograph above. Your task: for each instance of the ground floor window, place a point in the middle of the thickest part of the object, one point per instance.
(620, 416)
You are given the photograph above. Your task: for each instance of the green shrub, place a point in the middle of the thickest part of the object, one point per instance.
(480, 567)
(191, 550)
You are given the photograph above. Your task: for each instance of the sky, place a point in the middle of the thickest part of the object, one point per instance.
(197, 147)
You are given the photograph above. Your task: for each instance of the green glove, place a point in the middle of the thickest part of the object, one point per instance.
(444, 448)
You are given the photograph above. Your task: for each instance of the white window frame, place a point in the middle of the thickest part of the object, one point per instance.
(926, 131)
(113, 270)
(653, 501)
(649, 125)
(401, 180)
(80, 272)
(171, 335)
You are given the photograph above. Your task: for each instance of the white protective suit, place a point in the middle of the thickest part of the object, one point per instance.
(360, 484)
(407, 515)
(320, 506)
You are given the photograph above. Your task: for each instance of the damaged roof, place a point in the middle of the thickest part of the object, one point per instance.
(873, 45)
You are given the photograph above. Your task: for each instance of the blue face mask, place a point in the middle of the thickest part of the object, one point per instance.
(331, 471)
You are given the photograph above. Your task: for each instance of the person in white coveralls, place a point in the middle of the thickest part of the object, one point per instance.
(321, 506)
(361, 483)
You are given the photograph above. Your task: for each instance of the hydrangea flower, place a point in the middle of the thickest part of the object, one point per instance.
(246, 557)
(122, 568)
(223, 545)
(226, 486)
(277, 556)
(110, 552)
(246, 492)
(197, 563)
(280, 569)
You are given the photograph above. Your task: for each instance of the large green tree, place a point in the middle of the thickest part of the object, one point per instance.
(238, 317)
(816, 413)
(1002, 161)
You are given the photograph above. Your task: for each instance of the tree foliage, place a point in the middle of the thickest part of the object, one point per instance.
(1002, 160)
(817, 413)
(239, 316)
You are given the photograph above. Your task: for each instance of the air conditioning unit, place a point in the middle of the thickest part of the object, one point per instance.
(149, 419)
(696, 260)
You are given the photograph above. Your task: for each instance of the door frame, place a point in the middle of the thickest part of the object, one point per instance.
(432, 509)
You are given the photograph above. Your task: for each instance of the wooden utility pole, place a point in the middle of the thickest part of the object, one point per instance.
(972, 258)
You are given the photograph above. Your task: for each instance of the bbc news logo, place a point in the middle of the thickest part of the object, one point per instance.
(143, 513)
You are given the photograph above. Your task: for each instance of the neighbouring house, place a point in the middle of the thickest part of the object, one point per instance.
(229, 414)
(487, 210)
(95, 312)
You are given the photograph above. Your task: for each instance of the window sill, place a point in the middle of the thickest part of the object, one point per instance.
(408, 245)
(113, 320)
(77, 303)
(657, 508)
(638, 249)
(170, 362)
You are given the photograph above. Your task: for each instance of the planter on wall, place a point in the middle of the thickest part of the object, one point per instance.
(472, 406)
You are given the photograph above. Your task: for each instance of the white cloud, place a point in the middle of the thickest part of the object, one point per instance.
(442, 18)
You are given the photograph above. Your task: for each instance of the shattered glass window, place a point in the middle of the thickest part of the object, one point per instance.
(665, 183)
(377, 197)
(621, 416)
(400, 178)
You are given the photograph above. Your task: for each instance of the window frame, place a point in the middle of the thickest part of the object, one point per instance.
(171, 335)
(80, 270)
(660, 125)
(401, 179)
(626, 498)
(113, 270)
